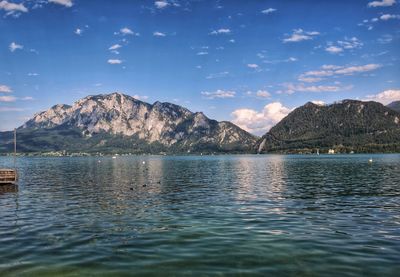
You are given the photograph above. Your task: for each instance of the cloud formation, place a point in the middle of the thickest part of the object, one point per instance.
(218, 94)
(115, 47)
(114, 61)
(217, 75)
(385, 97)
(126, 31)
(334, 49)
(66, 3)
(7, 98)
(78, 31)
(12, 7)
(263, 94)
(14, 46)
(259, 122)
(382, 3)
(389, 16)
(161, 4)
(292, 88)
(336, 70)
(252, 65)
(300, 35)
(221, 31)
(5, 89)
(159, 34)
(268, 11)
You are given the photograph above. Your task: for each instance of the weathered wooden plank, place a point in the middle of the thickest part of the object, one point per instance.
(8, 176)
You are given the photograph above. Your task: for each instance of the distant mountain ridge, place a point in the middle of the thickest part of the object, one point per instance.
(348, 125)
(394, 106)
(120, 123)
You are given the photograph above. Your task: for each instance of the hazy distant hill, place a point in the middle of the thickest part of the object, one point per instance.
(120, 123)
(394, 106)
(347, 125)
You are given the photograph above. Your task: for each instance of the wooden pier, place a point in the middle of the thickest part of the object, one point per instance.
(10, 176)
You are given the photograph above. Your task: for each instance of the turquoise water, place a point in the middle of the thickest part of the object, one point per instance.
(202, 216)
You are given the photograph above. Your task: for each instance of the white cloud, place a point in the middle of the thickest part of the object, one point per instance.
(382, 3)
(309, 79)
(5, 89)
(387, 38)
(221, 31)
(260, 122)
(385, 97)
(218, 75)
(263, 94)
(350, 43)
(114, 61)
(252, 65)
(357, 69)
(140, 97)
(268, 11)
(33, 74)
(300, 35)
(14, 46)
(346, 44)
(331, 67)
(218, 94)
(389, 16)
(202, 53)
(12, 7)
(159, 34)
(115, 47)
(78, 31)
(334, 49)
(7, 98)
(27, 98)
(126, 31)
(66, 3)
(161, 4)
(318, 102)
(292, 88)
(335, 70)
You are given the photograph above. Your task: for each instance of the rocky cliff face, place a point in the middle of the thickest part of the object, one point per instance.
(121, 122)
(350, 124)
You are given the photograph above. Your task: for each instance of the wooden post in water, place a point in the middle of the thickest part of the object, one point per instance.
(15, 150)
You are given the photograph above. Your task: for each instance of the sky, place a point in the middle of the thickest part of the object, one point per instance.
(249, 62)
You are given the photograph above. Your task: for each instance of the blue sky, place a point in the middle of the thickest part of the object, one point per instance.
(250, 62)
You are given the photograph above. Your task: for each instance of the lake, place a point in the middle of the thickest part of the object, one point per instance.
(235, 215)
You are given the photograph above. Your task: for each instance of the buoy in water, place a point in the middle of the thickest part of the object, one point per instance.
(370, 160)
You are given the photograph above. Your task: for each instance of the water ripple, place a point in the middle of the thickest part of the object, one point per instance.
(216, 215)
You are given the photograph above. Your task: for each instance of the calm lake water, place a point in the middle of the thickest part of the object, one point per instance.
(217, 215)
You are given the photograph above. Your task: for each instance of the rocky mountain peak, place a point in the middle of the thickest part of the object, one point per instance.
(119, 115)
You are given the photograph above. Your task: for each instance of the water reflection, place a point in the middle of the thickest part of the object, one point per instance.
(8, 188)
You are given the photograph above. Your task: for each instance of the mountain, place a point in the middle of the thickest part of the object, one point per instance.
(394, 106)
(118, 123)
(346, 126)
